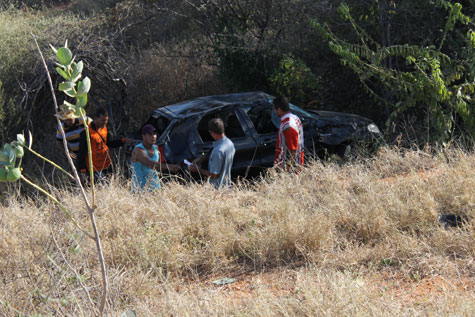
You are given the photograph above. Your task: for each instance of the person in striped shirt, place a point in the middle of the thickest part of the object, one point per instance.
(72, 129)
(100, 142)
(289, 149)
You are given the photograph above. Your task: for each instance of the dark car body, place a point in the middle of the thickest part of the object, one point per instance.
(251, 124)
(340, 133)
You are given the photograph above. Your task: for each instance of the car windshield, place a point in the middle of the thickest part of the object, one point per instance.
(299, 111)
(260, 115)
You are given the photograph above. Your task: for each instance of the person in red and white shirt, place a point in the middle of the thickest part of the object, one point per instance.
(289, 149)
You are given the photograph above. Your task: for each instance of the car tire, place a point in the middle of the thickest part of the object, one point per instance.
(345, 151)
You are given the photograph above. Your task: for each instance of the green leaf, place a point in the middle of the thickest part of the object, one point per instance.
(76, 249)
(30, 139)
(67, 106)
(19, 151)
(64, 55)
(76, 78)
(66, 85)
(13, 174)
(70, 93)
(386, 261)
(79, 112)
(77, 71)
(66, 109)
(4, 158)
(10, 151)
(84, 86)
(3, 174)
(63, 73)
(82, 100)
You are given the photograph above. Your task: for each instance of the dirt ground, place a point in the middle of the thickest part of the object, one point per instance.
(392, 283)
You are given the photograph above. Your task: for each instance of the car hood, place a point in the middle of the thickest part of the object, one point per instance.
(340, 117)
(338, 127)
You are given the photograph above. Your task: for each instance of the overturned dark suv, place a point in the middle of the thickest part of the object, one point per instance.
(252, 125)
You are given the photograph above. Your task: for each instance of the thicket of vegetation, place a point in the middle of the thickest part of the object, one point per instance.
(403, 64)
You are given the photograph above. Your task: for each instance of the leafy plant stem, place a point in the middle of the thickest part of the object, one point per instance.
(101, 261)
(91, 209)
(49, 161)
(89, 155)
(50, 81)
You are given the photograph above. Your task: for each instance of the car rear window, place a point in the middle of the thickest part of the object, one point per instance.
(261, 118)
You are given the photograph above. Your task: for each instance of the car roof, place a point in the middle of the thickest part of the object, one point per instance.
(198, 105)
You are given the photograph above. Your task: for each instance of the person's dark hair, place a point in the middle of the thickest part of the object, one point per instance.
(216, 125)
(280, 102)
(100, 112)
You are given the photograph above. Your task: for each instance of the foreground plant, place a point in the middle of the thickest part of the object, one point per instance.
(12, 153)
(10, 170)
(73, 87)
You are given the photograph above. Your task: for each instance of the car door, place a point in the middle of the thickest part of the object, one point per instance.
(236, 129)
(264, 126)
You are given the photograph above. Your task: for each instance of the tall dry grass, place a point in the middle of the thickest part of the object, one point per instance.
(332, 233)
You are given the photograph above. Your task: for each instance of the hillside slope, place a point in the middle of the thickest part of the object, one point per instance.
(354, 239)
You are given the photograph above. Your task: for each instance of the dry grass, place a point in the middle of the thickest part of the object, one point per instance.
(359, 239)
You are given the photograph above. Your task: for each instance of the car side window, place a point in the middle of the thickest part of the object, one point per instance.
(162, 124)
(232, 125)
(261, 118)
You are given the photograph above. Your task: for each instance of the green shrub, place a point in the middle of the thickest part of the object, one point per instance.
(295, 80)
(431, 80)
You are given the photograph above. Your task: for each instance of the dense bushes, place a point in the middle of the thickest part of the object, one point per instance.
(294, 79)
(434, 81)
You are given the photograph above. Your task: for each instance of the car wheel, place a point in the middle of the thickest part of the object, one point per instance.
(345, 151)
